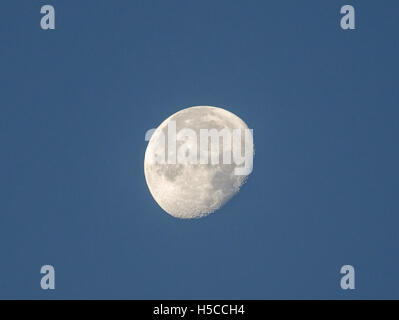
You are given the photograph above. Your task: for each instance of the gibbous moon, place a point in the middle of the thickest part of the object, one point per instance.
(194, 189)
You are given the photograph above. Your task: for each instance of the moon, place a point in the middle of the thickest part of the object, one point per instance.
(193, 190)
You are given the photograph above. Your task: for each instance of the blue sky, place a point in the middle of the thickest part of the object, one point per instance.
(77, 101)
